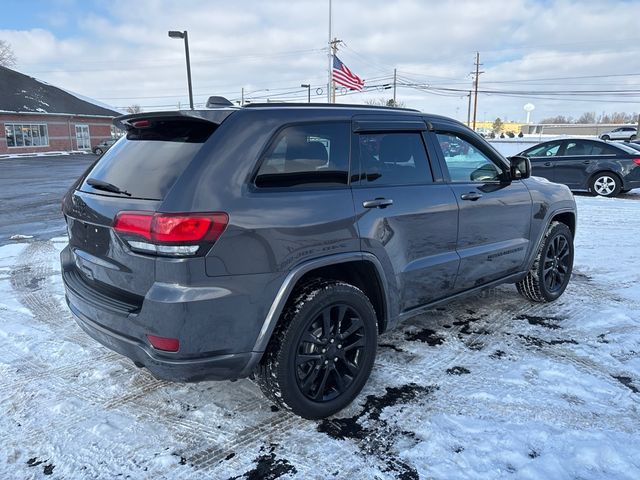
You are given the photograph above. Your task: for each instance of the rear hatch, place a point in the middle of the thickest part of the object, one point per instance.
(115, 232)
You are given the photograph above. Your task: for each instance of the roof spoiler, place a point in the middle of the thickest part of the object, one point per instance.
(216, 116)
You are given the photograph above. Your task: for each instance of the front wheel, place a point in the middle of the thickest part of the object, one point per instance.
(606, 138)
(98, 151)
(322, 352)
(551, 270)
(605, 184)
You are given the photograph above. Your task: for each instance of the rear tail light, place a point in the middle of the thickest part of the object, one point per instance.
(636, 161)
(163, 343)
(170, 234)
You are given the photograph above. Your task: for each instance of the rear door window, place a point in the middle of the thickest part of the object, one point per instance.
(394, 158)
(307, 156)
(147, 162)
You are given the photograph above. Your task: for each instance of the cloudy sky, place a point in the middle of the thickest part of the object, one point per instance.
(566, 57)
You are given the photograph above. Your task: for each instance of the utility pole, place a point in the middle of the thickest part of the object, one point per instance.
(469, 110)
(394, 88)
(330, 55)
(475, 83)
(334, 50)
(638, 128)
(242, 97)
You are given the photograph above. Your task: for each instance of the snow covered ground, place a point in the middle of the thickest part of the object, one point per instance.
(488, 387)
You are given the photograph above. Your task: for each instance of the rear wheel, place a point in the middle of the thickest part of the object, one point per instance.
(551, 270)
(321, 355)
(605, 184)
(98, 151)
(633, 137)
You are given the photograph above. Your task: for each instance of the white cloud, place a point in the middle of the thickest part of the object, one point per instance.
(125, 56)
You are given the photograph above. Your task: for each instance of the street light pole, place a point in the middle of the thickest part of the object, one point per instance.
(308, 87)
(185, 36)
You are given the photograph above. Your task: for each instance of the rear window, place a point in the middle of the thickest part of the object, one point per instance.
(148, 161)
(307, 156)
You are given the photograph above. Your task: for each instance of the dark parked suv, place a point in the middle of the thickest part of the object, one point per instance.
(278, 242)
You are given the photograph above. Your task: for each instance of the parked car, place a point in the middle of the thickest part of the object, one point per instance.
(279, 242)
(602, 168)
(102, 147)
(621, 133)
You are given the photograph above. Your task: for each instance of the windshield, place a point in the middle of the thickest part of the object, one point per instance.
(147, 162)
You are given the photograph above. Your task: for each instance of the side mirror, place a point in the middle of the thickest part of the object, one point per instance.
(520, 167)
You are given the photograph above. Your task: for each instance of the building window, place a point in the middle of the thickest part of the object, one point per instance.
(82, 137)
(26, 135)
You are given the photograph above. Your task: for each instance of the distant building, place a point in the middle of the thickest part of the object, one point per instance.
(38, 117)
(487, 127)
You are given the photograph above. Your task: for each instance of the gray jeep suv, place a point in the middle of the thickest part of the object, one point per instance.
(278, 241)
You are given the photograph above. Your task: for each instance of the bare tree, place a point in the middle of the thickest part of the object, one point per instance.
(383, 102)
(134, 109)
(7, 57)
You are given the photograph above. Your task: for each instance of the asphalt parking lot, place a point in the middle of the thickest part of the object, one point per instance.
(31, 190)
(490, 386)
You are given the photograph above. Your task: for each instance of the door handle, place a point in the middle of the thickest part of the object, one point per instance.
(473, 196)
(547, 164)
(587, 162)
(377, 203)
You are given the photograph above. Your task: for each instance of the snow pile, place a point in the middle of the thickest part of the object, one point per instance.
(491, 386)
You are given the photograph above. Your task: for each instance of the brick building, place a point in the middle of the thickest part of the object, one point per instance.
(37, 117)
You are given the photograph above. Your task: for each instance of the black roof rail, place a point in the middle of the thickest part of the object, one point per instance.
(328, 105)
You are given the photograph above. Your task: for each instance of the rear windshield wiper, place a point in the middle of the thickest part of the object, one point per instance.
(106, 186)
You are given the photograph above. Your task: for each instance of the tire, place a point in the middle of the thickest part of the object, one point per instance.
(98, 151)
(321, 354)
(606, 138)
(605, 184)
(633, 137)
(551, 270)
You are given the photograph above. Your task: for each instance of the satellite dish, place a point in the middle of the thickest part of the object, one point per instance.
(529, 107)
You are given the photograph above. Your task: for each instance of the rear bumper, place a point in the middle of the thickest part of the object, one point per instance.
(216, 320)
(631, 184)
(217, 367)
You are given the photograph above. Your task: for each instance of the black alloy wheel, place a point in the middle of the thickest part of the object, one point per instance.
(322, 351)
(330, 353)
(557, 263)
(551, 270)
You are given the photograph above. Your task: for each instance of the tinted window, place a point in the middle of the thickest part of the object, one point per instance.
(307, 155)
(545, 150)
(585, 147)
(465, 162)
(148, 161)
(393, 159)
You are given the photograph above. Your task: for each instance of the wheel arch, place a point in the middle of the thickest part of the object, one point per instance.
(568, 218)
(360, 269)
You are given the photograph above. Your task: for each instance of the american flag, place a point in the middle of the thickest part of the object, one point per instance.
(343, 76)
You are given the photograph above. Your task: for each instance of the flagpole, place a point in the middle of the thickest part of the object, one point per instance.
(330, 55)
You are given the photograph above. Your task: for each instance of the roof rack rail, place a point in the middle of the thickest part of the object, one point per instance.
(327, 105)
